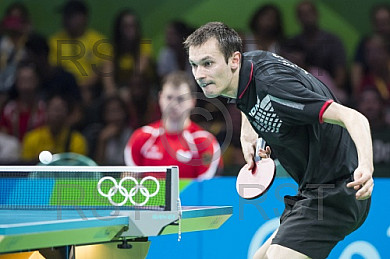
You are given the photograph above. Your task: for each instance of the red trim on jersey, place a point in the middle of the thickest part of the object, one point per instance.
(250, 79)
(323, 109)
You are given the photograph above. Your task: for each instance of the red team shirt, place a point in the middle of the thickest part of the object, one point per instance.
(17, 122)
(195, 151)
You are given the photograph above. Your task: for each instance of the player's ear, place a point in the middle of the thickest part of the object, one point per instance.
(235, 60)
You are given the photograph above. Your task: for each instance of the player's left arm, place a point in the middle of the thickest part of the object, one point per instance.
(359, 129)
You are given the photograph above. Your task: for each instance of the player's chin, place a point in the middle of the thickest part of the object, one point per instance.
(210, 93)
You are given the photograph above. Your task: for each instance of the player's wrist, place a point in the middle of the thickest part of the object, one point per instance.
(367, 167)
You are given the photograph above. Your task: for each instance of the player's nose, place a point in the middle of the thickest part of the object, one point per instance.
(198, 73)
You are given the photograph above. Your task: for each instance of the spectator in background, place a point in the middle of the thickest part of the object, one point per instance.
(175, 139)
(79, 49)
(132, 54)
(141, 103)
(14, 29)
(323, 49)
(372, 106)
(9, 149)
(54, 79)
(266, 26)
(380, 23)
(109, 138)
(55, 136)
(172, 56)
(377, 74)
(294, 52)
(24, 111)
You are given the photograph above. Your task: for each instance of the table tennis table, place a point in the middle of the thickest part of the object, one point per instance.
(70, 229)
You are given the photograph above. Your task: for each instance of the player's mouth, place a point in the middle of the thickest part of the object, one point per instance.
(204, 84)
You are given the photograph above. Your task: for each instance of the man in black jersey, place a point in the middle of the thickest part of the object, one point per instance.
(324, 146)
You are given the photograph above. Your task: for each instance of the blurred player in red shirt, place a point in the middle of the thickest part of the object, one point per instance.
(175, 139)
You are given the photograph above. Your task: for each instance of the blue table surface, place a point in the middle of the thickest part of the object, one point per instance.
(28, 221)
(14, 222)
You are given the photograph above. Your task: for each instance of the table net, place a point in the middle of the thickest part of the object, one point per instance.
(86, 187)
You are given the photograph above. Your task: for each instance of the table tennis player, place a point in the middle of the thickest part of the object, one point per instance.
(175, 139)
(324, 146)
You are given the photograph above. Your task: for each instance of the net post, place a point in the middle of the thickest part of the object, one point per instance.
(172, 189)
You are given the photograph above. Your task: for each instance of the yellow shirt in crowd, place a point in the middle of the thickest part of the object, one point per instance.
(82, 56)
(41, 139)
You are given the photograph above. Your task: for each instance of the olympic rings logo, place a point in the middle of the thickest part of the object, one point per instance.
(128, 195)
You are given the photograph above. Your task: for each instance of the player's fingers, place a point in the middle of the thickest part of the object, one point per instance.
(268, 151)
(363, 194)
(248, 156)
(360, 184)
(249, 153)
(264, 153)
(359, 180)
(365, 190)
(250, 164)
(354, 184)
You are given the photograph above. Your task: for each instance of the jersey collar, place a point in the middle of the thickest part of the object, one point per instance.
(246, 76)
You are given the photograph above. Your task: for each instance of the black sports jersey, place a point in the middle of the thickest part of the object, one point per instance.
(285, 104)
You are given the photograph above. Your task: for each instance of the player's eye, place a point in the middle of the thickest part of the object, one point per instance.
(208, 63)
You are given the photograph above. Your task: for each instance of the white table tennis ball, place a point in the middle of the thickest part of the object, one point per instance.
(45, 157)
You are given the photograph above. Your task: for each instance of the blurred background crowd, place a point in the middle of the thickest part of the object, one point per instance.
(91, 90)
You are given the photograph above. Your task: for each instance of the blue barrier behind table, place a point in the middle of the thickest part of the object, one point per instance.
(253, 221)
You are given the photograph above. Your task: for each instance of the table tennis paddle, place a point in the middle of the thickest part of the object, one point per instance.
(251, 184)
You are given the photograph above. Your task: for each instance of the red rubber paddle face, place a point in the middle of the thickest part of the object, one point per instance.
(252, 184)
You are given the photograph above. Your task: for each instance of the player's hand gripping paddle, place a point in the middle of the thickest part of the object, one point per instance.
(253, 183)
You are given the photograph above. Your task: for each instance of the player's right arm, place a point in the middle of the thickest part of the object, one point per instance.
(359, 129)
(248, 141)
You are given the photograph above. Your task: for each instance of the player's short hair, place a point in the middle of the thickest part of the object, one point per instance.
(180, 77)
(228, 39)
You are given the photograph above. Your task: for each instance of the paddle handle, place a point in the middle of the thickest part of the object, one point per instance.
(260, 144)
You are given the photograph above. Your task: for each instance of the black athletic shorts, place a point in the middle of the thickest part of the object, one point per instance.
(320, 216)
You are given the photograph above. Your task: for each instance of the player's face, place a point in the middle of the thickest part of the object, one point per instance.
(212, 73)
(176, 103)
